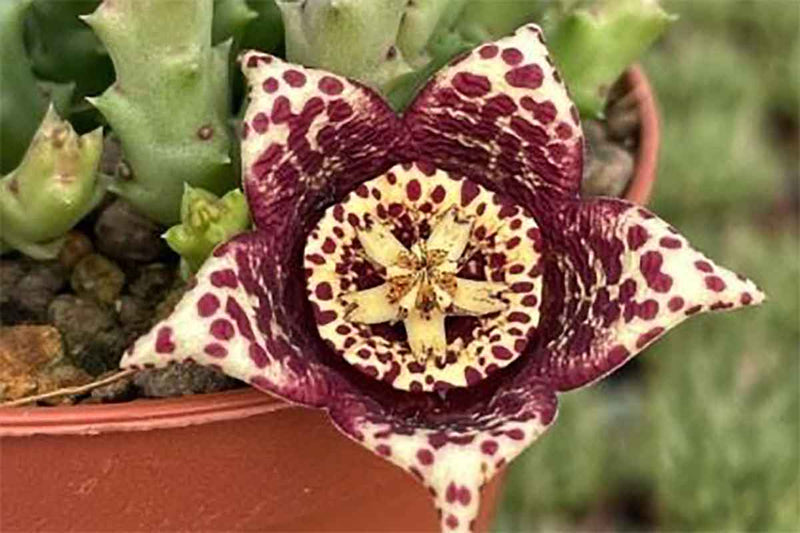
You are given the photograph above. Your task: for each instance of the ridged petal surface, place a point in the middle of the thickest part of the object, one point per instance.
(502, 116)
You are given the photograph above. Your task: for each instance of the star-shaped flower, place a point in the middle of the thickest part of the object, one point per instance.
(433, 280)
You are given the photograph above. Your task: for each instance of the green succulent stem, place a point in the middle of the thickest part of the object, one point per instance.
(206, 221)
(593, 46)
(231, 17)
(64, 49)
(53, 188)
(394, 45)
(21, 105)
(265, 32)
(356, 39)
(169, 104)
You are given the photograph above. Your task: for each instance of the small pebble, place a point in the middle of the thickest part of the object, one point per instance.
(135, 315)
(125, 235)
(167, 305)
(11, 272)
(98, 278)
(622, 119)
(121, 390)
(608, 172)
(32, 362)
(94, 341)
(76, 246)
(152, 282)
(182, 379)
(36, 289)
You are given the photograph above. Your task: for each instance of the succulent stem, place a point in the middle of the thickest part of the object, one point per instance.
(592, 47)
(21, 105)
(394, 45)
(55, 185)
(170, 101)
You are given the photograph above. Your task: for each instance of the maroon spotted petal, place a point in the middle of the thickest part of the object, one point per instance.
(454, 447)
(618, 278)
(235, 318)
(308, 137)
(502, 116)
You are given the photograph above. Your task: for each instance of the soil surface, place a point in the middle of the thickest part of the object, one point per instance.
(67, 322)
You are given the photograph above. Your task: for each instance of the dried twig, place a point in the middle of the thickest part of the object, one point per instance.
(69, 391)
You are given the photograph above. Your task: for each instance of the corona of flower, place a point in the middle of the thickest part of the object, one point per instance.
(434, 280)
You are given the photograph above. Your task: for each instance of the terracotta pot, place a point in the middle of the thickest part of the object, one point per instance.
(235, 461)
(641, 186)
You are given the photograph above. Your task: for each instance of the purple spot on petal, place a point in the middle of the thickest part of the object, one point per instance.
(258, 356)
(473, 85)
(512, 56)
(222, 329)
(207, 305)
(215, 349)
(489, 447)
(528, 76)
(164, 343)
(425, 456)
(330, 85)
(224, 278)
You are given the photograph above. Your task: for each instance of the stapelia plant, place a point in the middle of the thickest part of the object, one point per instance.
(432, 281)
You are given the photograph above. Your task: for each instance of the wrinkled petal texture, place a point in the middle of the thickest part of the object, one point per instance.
(618, 279)
(502, 116)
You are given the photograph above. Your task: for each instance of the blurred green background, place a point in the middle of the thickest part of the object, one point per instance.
(702, 432)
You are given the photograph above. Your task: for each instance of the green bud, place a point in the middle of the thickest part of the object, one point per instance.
(206, 221)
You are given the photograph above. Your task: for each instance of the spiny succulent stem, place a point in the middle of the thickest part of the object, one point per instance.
(169, 104)
(54, 186)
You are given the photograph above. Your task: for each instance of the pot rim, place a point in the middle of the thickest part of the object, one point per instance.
(149, 414)
(641, 185)
(138, 415)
